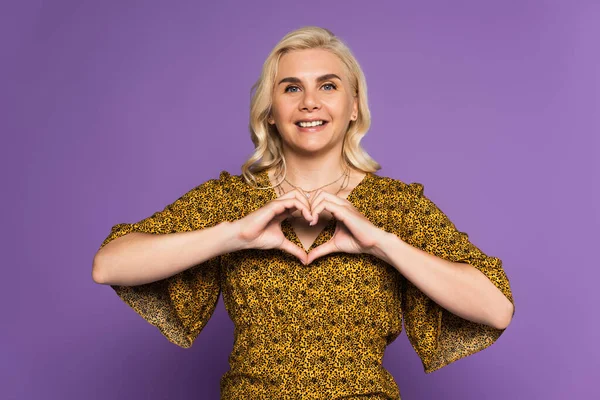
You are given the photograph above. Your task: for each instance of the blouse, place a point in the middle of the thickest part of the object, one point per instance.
(317, 331)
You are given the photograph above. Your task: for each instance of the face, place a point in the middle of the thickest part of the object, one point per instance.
(312, 85)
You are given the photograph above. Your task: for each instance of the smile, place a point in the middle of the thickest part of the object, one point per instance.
(314, 126)
(310, 124)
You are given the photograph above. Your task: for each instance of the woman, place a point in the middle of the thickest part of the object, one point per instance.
(318, 258)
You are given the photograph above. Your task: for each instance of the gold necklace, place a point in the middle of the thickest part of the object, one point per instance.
(345, 175)
(344, 185)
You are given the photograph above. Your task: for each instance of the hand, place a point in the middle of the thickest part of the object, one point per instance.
(354, 233)
(261, 229)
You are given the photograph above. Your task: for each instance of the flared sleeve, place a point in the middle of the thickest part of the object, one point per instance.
(180, 305)
(438, 336)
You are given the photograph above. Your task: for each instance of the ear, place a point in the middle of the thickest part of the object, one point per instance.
(355, 109)
(270, 120)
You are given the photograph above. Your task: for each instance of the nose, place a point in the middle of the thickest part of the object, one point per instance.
(310, 101)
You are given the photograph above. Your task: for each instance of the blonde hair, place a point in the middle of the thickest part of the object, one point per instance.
(267, 142)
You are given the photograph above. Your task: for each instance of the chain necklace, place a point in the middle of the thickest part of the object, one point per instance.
(344, 185)
(345, 181)
(307, 193)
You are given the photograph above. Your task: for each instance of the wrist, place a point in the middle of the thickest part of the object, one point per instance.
(384, 243)
(231, 236)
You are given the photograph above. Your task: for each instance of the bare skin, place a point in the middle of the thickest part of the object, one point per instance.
(305, 232)
(313, 158)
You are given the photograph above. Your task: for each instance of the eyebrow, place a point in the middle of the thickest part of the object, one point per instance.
(321, 78)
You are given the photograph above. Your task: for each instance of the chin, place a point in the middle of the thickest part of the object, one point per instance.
(313, 146)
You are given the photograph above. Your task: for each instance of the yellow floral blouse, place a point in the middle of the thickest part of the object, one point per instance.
(317, 331)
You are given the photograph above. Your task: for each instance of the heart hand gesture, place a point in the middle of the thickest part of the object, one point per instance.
(354, 233)
(261, 229)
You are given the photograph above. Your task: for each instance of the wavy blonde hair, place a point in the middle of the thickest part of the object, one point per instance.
(267, 141)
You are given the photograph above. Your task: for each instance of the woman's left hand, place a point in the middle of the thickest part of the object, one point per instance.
(354, 233)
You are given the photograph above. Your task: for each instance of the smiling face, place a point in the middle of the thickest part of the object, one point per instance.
(312, 85)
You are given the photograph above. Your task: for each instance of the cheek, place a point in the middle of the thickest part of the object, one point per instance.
(338, 107)
(282, 110)
(276, 114)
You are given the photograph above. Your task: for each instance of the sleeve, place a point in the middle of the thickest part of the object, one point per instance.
(180, 305)
(438, 336)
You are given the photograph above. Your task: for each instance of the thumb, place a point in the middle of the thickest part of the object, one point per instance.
(294, 250)
(320, 251)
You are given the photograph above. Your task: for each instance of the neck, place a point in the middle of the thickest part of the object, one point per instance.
(310, 173)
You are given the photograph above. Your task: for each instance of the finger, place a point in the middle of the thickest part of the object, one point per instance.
(280, 206)
(319, 251)
(296, 194)
(299, 194)
(340, 212)
(279, 218)
(319, 198)
(316, 199)
(322, 194)
(302, 197)
(294, 250)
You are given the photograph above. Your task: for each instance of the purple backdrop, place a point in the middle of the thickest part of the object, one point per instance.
(112, 110)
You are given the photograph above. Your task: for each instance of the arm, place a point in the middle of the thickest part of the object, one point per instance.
(167, 266)
(186, 233)
(138, 258)
(194, 229)
(458, 287)
(448, 311)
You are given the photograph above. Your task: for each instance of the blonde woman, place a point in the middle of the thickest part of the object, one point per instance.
(318, 258)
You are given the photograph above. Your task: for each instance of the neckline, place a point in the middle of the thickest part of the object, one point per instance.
(327, 232)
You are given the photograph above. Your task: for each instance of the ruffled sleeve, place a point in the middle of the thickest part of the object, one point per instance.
(438, 336)
(180, 305)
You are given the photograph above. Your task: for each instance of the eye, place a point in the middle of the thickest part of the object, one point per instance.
(290, 87)
(287, 89)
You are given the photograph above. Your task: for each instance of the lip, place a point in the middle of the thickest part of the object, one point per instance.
(313, 128)
(311, 120)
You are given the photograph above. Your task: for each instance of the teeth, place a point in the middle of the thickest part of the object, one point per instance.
(309, 124)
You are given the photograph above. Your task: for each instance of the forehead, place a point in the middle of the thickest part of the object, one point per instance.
(309, 64)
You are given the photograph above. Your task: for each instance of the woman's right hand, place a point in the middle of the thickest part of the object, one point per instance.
(261, 229)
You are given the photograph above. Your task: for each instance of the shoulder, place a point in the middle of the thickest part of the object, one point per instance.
(224, 180)
(397, 188)
(215, 184)
(213, 190)
(233, 184)
(236, 188)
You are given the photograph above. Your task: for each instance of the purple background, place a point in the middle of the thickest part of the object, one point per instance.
(112, 110)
